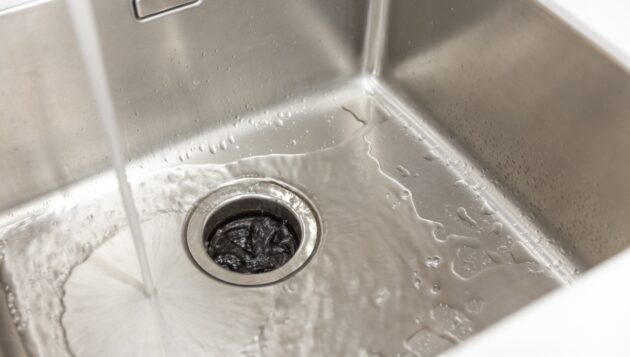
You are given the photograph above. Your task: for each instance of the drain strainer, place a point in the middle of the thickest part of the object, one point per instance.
(252, 232)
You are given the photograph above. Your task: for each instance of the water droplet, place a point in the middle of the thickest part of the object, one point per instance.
(487, 209)
(402, 170)
(381, 296)
(433, 262)
(231, 139)
(417, 283)
(534, 268)
(463, 215)
(451, 322)
(497, 228)
(425, 342)
(223, 145)
(436, 288)
(475, 305)
(290, 288)
(213, 149)
(293, 142)
(430, 155)
(470, 262)
(279, 123)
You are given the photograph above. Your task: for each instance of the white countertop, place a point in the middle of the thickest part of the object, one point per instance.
(590, 318)
(605, 22)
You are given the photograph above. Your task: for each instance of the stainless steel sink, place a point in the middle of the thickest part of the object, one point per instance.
(463, 158)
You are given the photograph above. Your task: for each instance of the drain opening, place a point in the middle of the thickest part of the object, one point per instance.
(252, 232)
(257, 236)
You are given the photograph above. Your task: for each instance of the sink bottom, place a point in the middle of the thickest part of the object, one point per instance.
(417, 252)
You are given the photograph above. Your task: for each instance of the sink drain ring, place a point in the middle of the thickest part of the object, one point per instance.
(252, 196)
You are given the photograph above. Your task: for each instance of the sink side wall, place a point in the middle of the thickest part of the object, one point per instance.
(534, 103)
(170, 77)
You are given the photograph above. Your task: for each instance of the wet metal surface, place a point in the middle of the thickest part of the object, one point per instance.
(393, 251)
(444, 191)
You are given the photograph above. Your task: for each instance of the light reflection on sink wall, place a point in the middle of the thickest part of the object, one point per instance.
(533, 102)
(188, 71)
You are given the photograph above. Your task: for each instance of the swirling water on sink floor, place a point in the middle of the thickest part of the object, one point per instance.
(377, 285)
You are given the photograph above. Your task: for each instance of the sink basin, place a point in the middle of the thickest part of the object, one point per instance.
(462, 160)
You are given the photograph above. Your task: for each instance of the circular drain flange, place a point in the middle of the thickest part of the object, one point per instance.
(252, 232)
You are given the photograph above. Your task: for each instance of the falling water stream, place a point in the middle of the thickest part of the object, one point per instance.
(86, 33)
